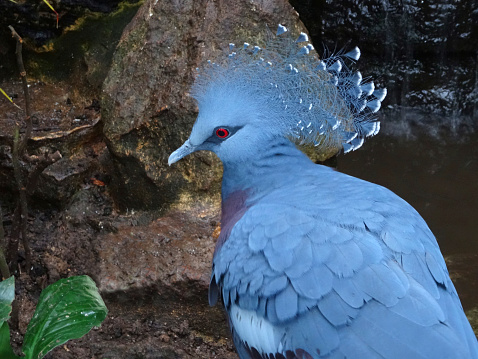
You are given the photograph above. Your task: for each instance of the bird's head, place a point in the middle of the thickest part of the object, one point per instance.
(254, 94)
(231, 123)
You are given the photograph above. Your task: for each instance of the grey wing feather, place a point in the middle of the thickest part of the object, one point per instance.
(348, 279)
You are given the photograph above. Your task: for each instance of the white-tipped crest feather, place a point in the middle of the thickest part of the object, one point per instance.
(354, 54)
(380, 94)
(287, 86)
(367, 88)
(304, 50)
(336, 66)
(281, 30)
(302, 37)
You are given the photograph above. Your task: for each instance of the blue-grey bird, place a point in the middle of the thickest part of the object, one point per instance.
(310, 262)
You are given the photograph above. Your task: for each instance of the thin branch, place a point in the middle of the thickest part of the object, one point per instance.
(21, 212)
(12, 248)
(23, 75)
(3, 262)
(20, 217)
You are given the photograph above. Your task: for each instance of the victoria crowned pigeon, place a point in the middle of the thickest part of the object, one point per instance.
(310, 262)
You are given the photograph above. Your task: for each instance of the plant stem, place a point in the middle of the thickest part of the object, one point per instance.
(3, 262)
(20, 216)
(23, 75)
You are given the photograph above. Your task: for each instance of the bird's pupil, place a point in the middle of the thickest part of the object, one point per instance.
(221, 132)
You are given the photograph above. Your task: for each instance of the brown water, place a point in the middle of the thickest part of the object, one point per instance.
(440, 180)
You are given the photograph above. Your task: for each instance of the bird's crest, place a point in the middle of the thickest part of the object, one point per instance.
(319, 102)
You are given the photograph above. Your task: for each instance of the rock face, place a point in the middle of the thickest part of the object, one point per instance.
(78, 50)
(146, 108)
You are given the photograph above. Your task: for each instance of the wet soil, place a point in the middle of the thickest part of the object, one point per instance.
(153, 276)
(54, 107)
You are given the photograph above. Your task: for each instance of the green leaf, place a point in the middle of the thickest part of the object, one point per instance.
(67, 309)
(7, 294)
(6, 351)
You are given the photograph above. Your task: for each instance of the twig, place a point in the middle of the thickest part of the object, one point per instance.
(12, 248)
(3, 262)
(23, 75)
(20, 216)
(21, 212)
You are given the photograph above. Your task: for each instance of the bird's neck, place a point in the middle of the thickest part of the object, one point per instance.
(244, 183)
(278, 161)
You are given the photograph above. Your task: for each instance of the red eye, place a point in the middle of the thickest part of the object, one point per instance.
(222, 133)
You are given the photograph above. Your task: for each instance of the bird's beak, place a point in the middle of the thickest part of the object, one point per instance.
(186, 149)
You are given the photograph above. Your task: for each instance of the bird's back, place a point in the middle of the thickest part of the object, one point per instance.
(336, 267)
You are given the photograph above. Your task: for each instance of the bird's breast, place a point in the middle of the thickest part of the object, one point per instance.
(232, 209)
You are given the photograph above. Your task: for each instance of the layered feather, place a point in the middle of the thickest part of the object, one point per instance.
(349, 274)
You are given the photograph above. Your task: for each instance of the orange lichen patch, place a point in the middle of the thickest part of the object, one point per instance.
(97, 182)
(216, 232)
(162, 109)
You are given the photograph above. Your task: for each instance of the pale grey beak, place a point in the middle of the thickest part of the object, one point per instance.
(186, 149)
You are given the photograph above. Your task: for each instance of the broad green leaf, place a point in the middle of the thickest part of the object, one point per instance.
(6, 351)
(67, 309)
(7, 294)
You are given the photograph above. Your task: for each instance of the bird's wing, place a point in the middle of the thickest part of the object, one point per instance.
(359, 280)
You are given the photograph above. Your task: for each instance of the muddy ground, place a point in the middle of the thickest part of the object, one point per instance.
(153, 278)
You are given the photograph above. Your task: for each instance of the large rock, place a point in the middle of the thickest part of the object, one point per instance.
(146, 108)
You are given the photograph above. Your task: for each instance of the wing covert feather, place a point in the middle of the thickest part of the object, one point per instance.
(328, 276)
